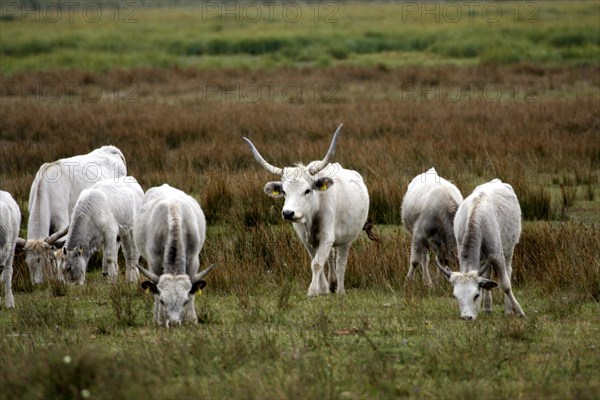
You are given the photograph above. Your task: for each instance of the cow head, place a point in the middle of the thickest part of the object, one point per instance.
(298, 184)
(73, 264)
(174, 294)
(40, 257)
(467, 290)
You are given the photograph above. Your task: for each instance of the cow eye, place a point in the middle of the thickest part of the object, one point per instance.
(476, 297)
(307, 191)
(283, 192)
(162, 302)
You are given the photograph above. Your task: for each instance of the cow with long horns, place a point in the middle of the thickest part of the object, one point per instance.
(169, 233)
(327, 206)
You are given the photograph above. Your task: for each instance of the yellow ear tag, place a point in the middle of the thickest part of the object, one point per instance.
(275, 193)
(323, 187)
(199, 292)
(148, 291)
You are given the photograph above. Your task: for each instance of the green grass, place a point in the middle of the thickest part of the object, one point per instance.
(354, 33)
(259, 336)
(369, 343)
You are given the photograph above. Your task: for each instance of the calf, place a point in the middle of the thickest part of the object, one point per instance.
(102, 214)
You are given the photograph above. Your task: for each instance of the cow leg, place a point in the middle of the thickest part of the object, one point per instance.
(190, 312)
(109, 258)
(415, 258)
(132, 256)
(425, 265)
(157, 314)
(7, 273)
(487, 294)
(342, 259)
(319, 283)
(332, 274)
(511, 305)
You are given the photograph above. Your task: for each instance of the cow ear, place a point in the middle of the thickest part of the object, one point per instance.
(149, 287)
(197, 286)
(274, 189)
(487, 284)
(323, 183)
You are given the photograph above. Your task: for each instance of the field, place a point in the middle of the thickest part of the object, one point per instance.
(477, 97)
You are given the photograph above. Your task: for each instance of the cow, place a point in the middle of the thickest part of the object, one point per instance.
(428, 211)
(487, 227)
(327, 206)
(103, 216)
(169, 232)
(53, 195)
(10, 222)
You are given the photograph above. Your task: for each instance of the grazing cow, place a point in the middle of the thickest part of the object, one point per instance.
(327, 206)
(428, 210)
(487, 227)
(53, 195)
(169, 233)
(10, 221)
(103, 213)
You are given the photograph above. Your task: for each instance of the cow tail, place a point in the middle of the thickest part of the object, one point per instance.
(368, 228)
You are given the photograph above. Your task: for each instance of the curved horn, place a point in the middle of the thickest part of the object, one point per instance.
(20, 242)
(202, 274)
(272, 169)
(483, 269)
(323, 163)
(57, 235)
(153, 277)
(444, 269)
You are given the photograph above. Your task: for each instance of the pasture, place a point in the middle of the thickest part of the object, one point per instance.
(478, 100)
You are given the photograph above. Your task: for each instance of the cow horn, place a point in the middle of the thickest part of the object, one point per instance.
(20, 242)
(323, 163)
(272, 169)
(202, 274)
(57, 235)
(483, 269)
(444, 269)
(153, 277)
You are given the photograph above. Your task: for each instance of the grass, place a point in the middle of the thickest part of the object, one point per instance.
(210, 35)
(260, 336)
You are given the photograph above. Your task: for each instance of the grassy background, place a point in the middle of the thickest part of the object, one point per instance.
(476, 100)
(214, 35)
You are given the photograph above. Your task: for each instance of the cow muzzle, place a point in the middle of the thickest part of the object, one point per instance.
(289, 215)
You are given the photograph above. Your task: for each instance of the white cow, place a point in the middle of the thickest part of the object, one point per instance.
(428, 211)
(103, 213)
(10, 221)
(487, 227)
(328, 207)
(169, 232)
(53, 195)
